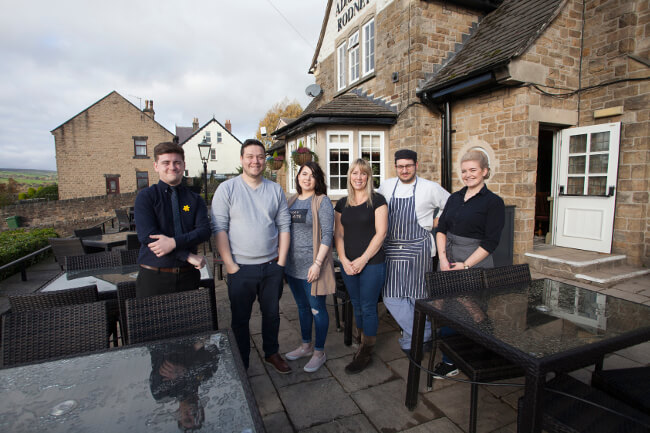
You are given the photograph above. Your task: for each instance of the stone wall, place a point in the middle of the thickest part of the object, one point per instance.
(67, 215)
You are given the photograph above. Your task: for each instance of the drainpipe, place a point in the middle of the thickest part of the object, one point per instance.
(445, 151)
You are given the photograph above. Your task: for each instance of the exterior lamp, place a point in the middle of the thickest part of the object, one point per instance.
(204, 152)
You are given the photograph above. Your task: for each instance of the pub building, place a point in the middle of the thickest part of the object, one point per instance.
(555, 92)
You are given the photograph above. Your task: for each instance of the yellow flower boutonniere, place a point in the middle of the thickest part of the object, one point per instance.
(186, 208)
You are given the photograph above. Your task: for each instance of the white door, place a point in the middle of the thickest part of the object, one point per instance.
(584, 210)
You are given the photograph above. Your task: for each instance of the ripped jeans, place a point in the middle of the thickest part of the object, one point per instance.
(310, 308)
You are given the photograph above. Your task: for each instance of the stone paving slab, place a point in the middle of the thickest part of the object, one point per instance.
(277, 423)
(350, 424)
(316, 402)
(440, 425)
(376, 373)
(266, 396)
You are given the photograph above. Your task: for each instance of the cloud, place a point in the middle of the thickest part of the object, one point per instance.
(230, 60)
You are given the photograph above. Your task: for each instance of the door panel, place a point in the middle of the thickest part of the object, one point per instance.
(587, 187)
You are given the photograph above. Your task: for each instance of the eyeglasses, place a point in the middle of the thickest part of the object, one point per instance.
(404, 167)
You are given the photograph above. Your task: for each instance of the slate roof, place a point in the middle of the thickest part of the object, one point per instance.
(193, 133)
(183, 133)
(351, 105)
(502, 35)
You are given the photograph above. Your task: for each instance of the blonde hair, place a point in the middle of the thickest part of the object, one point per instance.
(363, 165)
(480, 157)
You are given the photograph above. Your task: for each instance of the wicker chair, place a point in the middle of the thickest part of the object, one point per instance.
(125, 290)
(87, 233)
(36, 335)
(123, 220)
(132, 242)
(128, 257)
(630, 385)
(569, 415)
(105, 259)
(167, 316)
(507, 275)
(477, 362)
(66, 247)
(47, 300)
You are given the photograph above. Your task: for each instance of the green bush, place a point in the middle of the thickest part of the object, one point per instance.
(15, 244)
(50, 192)
(30, 192)
(22, 196)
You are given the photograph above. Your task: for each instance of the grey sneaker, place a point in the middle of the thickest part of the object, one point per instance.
(443, 370)
(300, 352)
(315, 363)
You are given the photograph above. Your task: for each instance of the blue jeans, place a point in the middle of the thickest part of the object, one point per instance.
(446, 331)
(310, 308)
(264, 283)
(364, 290)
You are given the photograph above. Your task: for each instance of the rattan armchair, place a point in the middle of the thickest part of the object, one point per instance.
(477, 362)
(167, 316)
(47, 300)
(125, 290)
(66, 247)
(504, 276)
(132, 242)
(105, 259)
(123, 220)
(630, 385)
(36, 335)
(86, 233)
(129, 257)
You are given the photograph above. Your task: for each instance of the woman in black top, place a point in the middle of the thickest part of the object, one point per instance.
(470, 226)
(469, 230)
(361, 222)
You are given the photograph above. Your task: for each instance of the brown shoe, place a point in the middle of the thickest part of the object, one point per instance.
(278, 363)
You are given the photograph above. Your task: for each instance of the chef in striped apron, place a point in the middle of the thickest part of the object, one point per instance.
(412, 205)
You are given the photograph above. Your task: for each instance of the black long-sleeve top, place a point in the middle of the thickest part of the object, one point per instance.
(481, 217)
(153, 216)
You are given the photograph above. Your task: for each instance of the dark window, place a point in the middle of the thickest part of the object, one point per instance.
(142, 179)
(218, 137)
(140, 145)
(213, 153)
(112, 185)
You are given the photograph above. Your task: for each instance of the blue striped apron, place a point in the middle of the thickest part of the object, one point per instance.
(408, 250)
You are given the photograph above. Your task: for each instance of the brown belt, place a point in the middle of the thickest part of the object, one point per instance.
(170, 270)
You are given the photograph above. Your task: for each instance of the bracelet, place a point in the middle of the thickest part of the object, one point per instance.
(316, 263)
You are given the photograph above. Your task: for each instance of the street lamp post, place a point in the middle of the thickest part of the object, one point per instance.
(204, 153)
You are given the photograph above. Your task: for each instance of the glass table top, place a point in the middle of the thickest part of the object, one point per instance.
(189, 383)
(545, 317)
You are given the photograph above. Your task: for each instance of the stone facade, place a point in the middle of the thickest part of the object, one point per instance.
(99, 143)
(606, 60)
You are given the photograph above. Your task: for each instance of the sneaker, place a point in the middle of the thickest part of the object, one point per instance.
(315, 363)
(443, 370)
(278, 363)
(300, 352)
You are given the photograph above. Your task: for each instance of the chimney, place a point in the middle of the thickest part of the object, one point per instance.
(148, 109)
(195, 124)
(228, 126)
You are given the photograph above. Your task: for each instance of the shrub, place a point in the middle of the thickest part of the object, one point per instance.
(50, 192)
(22, 196)
(15, 244)
(30, 192)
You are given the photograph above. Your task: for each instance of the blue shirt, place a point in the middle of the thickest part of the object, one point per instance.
(153, 216)
(481, 217)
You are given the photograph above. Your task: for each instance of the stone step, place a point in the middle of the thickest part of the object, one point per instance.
(611, 276)
(568, 261)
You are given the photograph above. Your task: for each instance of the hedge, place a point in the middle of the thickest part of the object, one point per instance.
(15, 244)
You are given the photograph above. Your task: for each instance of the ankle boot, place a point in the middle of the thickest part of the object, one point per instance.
(356, 336)
(363, 356)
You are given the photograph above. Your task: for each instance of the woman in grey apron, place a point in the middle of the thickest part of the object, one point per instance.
(469, 228)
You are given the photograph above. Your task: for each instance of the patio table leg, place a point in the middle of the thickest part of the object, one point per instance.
(529, 419)
(417, 338)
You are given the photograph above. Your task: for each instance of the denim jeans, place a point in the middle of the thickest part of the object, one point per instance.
(446, 331)
(364, 289)
(310, 308)
(264, 283)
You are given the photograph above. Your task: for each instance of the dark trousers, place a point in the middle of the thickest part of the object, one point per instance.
(153, 283)
(264, 283)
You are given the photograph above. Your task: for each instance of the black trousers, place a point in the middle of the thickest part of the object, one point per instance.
(153, 283)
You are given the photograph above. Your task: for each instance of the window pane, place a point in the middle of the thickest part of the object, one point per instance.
(334, 183)
(597, 185)
(598, 163)
(577, 164)
(141, 147)
(600, 142)
(578, 144)
(334, 169)
(575, 185)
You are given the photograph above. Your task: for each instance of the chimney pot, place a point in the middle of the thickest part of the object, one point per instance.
(228, 125)
(195, 124)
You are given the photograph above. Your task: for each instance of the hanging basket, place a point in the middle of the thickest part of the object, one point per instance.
(302, 158)
(276, 164)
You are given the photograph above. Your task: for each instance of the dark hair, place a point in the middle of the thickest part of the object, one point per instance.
(317, 172)
(251, 142)
(167, 147)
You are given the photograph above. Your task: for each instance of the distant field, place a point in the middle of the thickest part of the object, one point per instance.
(27, 176)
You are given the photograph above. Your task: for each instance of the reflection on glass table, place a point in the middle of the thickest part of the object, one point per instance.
(166, 386)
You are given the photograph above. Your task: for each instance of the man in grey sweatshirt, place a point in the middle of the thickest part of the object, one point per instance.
(252, 225)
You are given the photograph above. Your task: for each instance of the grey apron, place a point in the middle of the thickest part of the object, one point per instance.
(459, 248)
(408, 250)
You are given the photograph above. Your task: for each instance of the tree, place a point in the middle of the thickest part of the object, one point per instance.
(8, 192)
(272, 117)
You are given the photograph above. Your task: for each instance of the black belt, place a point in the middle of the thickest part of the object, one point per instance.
(170, 270)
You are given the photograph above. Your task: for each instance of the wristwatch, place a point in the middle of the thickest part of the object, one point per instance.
(465, 265)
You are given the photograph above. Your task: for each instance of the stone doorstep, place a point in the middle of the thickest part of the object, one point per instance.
(611, 277)
(580, 262)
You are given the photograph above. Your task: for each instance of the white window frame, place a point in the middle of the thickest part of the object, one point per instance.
(208, 137)
(331, 146)
(368, 47)
(309, 142)
(340, 67)
(382, 153)
(354, 59)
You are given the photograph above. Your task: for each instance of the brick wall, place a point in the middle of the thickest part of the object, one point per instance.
(99, 141)
(67, 215)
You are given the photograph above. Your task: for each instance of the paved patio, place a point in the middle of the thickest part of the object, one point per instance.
(373, 401)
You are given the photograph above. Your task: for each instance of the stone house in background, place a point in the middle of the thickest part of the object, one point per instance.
(555, 92)
(107, 148)
(224, 155)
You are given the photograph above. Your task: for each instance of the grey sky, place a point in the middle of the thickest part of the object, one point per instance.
(194, 58)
